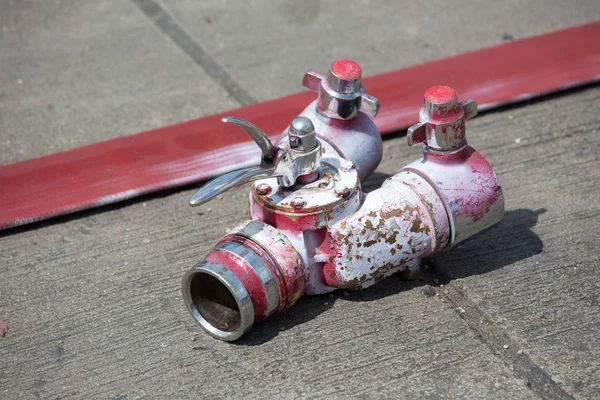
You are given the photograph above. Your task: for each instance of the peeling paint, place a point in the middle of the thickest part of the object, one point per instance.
(327, 234)
(393, 227)
(469, 187)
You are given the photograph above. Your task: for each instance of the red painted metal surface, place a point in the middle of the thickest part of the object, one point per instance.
(346, 69)
(329, 234)
(192, 151)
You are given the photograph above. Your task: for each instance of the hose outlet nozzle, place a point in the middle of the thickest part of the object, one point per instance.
(241, 282)
(218, 301)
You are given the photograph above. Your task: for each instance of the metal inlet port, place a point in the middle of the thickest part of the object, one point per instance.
(215, 302)
(218, 301)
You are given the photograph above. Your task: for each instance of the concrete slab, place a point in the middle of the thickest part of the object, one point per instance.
(92, 300)
(74, 73)
(267, 46)
(538, 268)
(94, 310)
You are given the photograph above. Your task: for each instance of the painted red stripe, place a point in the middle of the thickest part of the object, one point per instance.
(192, 151)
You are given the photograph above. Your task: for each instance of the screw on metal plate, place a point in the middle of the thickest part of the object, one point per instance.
(263, 189)
(442, 120)
(341, 92)
(302, 158)
(342, 192)
(298, 204)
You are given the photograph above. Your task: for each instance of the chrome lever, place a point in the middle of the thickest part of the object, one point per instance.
(302, 158)
(229, 181)
(237, 178)
(257, 134)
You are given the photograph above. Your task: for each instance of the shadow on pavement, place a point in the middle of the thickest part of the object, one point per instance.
(510, 241)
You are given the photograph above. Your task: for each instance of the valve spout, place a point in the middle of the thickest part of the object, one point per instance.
(241, 282)
(341, 116)
(218, 301)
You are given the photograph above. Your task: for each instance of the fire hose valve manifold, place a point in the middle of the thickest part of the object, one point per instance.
(313, 230)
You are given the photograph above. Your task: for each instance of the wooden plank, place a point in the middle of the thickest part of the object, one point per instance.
(129, 166)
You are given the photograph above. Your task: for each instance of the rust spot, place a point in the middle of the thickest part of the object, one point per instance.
(392, 238)
(416, 226)
(353, 284)
(370, 243)
(396, 212)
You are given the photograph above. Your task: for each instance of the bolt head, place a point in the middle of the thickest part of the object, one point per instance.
(346, 69)
(263, 189)
(441, 101)
(298, 204)
(344, 76)
(302, 125)
(302, 134)
(342, 192)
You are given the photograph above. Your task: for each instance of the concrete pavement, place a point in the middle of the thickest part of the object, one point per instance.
(92, 300)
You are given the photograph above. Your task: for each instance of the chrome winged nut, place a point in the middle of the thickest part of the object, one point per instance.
(441, 125)
(341, 92)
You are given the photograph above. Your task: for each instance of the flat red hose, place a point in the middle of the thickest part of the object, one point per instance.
(193, 151)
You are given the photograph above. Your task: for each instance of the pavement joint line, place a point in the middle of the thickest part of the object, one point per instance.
(496, 338)
(190, 47)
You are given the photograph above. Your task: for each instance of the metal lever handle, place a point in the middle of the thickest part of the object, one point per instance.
(303, 158)
(257, 134)
(239, 177)
(229, 181)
